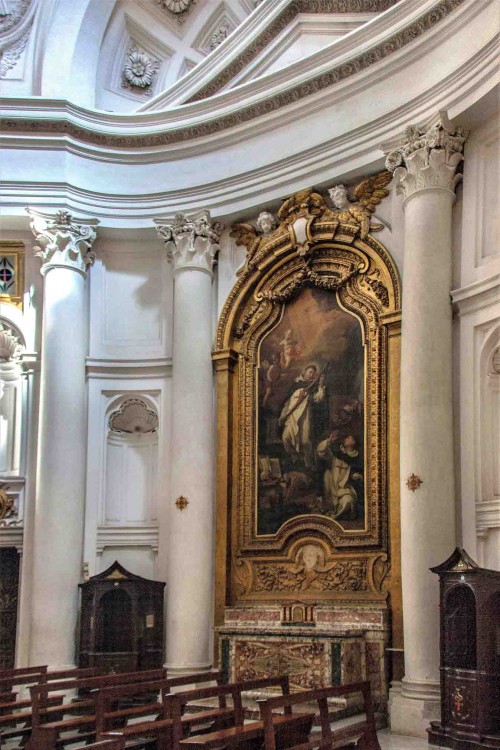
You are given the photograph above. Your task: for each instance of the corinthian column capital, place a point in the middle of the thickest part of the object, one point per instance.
(191, 241)
(428, 159)
(63, 241)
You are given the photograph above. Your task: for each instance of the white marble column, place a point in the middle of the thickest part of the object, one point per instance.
(192, 247)
(64, 245)
(426, 170)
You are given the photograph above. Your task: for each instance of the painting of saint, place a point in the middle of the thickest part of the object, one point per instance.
(311, 415)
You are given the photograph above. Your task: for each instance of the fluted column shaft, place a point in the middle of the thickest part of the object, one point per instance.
(192, 245)
(426, 169)
(61, 466)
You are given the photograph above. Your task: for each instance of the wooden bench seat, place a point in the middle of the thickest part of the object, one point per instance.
(110, 744)
(106, 708)
(363, 733)
(288, 728)
(177, 723)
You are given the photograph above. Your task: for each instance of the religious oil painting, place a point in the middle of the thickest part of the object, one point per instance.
(311, 426)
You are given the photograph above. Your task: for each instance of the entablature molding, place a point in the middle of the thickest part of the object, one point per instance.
(258, 100)
(478, 295)
(128, 369)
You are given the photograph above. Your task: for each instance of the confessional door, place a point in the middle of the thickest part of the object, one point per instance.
(9, 589)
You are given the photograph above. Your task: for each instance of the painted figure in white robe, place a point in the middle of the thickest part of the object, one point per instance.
(298, 416)
(343, 479)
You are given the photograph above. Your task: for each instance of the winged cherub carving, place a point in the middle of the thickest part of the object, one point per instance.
(368, 194)
(249, 236)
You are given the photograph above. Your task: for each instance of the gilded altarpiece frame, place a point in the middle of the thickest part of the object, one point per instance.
(312, 558)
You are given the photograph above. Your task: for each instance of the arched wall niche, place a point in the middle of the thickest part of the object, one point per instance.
(131, 461)
(315, 555)
(12, 348)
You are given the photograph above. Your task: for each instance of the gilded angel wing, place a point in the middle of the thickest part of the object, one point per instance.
(244, 234)
(372, 190)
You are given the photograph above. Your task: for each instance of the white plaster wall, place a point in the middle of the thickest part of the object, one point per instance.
(131, 300)
(139, 560)
(477, 336)
(131, 295)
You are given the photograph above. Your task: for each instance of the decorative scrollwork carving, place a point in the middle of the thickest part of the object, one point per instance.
(380, 573)
(342, 575)
(378, 287)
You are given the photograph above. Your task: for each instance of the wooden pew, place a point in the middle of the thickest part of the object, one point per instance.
(169, 730)
(173, 722)
(13, 671)
(47, 698)
(28, 676)
(103, 710)
(111, 744)
(363, 733)
(15, 713)
(290, 729)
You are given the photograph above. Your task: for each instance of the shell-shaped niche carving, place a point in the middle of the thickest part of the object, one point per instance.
(134, 416)
(10, 347)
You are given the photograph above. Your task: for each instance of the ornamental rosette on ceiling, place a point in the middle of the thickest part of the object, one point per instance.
(16, 22)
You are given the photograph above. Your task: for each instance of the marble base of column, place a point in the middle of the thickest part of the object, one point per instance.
(412, 707)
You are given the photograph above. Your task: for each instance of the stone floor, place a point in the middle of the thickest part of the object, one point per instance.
(390, 741)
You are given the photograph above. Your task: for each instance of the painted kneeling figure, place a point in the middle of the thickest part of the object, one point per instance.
(343, 479)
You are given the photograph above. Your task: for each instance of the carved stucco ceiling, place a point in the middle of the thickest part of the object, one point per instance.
(170, 38)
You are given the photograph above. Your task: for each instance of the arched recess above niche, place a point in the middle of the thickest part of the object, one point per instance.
(134, 416)
(131, 461)
(335, 264)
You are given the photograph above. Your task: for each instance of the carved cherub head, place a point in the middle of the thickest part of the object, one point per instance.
(339, 197)
(265, 222)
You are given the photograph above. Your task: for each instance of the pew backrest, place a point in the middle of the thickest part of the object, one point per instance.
(117, 743)
(321, 696)
(86, 687)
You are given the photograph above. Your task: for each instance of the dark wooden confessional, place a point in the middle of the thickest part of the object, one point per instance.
(121, 622)
(470, 655)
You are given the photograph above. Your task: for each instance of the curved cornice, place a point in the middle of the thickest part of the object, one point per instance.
(225, 111)
(334, 132)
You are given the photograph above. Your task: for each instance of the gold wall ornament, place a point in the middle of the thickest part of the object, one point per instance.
(12, 272)
(413, 482)
(6, 505)
(348, 265)
(182, 502)
(367, 195)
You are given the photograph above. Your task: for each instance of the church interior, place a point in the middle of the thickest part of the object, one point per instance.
(249, 374)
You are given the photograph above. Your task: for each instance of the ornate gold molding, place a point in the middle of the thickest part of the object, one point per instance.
(310, 555)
